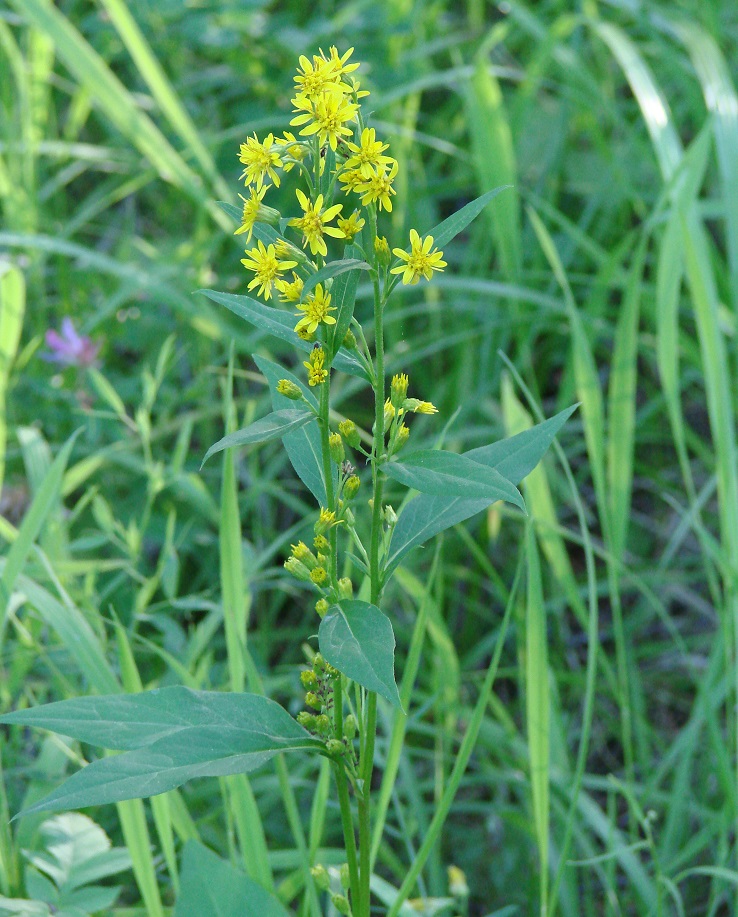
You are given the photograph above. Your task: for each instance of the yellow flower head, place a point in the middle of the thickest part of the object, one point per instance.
(367, 155)
(255, 212)
(260, 159)
(315, 366)
(290, 291)
(338, 62)
(351, 226)
(267, 268)
(350, 180)
(312, 224)
(398, 389)
(292, 150)
(326, 520)
(326, 116)
(420, 261)
(379, 188)
(316, 77)
(316, 308)
(420, 407)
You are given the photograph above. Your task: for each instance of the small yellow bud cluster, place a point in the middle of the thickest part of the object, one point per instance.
(315, 365)
(306, 566)
(395, 409)
(289, 390)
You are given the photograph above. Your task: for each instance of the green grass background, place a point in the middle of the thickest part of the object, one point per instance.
(605, 776)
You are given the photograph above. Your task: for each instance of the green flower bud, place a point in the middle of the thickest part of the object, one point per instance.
(318, 663)
(351, 487)
(345, 588)
(349, 341)
(323, 724)
(420, 407)
(403, 434)
(335, 446)
(318, 575)
(350, 727)
(321, 606)
(312, 700)
(326, 519)
(297, 569)
(335, 747)
(289, 389)
(320, 877)
(321, 543)
(340, 903)
(389, 413)
(308, 678)
(302, 552)
(345, 876)
(382, 251)
(348, 431)
(390, 516)
(398, 390)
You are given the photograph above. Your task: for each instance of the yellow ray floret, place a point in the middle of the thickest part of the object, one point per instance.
(378, 188)
(263, 261)
(317, 308)
(260, 160)
(367, 155)
(420, 261)
(312, 224)
(327, 116)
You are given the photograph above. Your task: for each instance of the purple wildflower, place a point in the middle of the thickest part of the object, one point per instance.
(70, 348)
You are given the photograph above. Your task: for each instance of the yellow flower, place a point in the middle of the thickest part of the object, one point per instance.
(325, 116)
(317, 374)
(398, 389)
(316, 308)
(292, 148)
(326, 520)
(338, 62)
(421, 407)
(420, 261)
(368, 156)
(312, 224)
(263, 261)
(351, 226)
(313, 79)
(379, 188)
(350, 180)
(255, 212)
(290, 291)
(260, 159)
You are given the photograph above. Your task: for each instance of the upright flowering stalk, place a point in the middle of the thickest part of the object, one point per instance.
(305, 265)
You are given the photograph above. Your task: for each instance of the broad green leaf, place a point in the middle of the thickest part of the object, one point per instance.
(357, 639)
(176, 734)
(280, 324)
(453, 225)
(273, 426)
(343, 293)
(333, 269)
(514, 458)
(303, 445)
(210, 885)
(447, 474)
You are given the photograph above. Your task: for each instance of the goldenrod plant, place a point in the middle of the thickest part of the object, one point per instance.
(306, 266)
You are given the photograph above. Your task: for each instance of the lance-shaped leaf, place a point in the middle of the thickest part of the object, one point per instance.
(174, 734)
(343, 293)
(333, 269)
(273, 426)
(280, 324)
(447, 474)
(514, 458)
(357, 639)
(211, 886)
(303, 445)
(453, 225)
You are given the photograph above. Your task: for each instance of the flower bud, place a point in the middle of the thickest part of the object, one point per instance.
(306, 720)
(389, 413)
(345, 588)
(351, 487)
(345, 876)
(382, 251)
(321, 878)
(297, 569)
(302, 552)
(390, 516)
(350, 727)
(335, 747)
(349, 340)
(288, 388)
(318, 663)
(318, 575)
(308, 678)
(398, 390)
(335, 446)
(323, 724)
(326, 519)
(348, 431)
(321, 543)
(457, 884)
(403, 434)
(420, 407)
(321, 606)
(340, 903)
(312, 700)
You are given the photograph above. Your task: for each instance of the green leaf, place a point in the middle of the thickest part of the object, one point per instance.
(273, 426)
(210, 885)
(281, 325)
(453, 225)
(343, 293)
(447, 474)
(333, 269)
(357, 639)
(303, 445)
(174, 734)
(514, 458)
(231, 210)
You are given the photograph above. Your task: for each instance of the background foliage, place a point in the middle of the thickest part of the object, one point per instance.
(607, 275)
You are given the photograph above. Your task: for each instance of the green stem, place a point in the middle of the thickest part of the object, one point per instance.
(325, 430)
(343, 798)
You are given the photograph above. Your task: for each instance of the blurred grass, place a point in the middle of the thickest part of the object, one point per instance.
(609, 276)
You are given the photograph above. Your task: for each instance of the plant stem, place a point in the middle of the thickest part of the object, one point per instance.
(325, 430)
(343, 798)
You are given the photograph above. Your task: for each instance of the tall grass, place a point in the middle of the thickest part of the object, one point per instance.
(570, 682)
